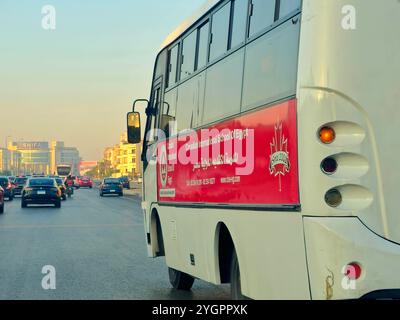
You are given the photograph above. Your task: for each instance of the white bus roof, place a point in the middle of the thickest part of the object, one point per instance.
(189, 22)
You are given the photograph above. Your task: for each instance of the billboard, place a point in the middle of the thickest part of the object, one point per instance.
(31, 145)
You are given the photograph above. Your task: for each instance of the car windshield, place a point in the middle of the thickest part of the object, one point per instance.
(111, 181)
(59, 181)
(20, 180)
(3, 181)
(41, 182)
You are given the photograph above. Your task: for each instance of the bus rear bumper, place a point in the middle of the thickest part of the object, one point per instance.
(333, 243)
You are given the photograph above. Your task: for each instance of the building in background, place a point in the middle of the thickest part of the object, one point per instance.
(60, 154)
(4, 160)
(38, 157)
(128, 158)
(123, 159)
(32, 157)
(109, 156)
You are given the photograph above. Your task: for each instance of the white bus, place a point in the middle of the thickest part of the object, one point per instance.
(64, 170)
(284, 185)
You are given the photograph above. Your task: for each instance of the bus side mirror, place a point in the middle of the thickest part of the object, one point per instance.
(134, 128)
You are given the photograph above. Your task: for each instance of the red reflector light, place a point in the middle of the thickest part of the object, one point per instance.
(353, 271)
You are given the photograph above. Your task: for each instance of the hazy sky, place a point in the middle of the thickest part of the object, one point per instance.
(76, 83)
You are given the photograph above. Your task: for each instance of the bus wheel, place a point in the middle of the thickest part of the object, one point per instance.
(180, 280)
(236, 286)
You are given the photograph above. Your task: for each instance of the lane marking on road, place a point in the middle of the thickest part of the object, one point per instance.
(69, 226)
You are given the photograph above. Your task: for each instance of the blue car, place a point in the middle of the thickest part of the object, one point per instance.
(111, 186)
(125, 182)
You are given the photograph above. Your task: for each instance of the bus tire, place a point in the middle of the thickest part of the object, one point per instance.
(236, 286)
(180, 280)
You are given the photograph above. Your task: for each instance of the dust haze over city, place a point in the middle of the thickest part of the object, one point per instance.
(75, 83)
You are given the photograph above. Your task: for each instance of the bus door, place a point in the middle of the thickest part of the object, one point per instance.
(150, 150)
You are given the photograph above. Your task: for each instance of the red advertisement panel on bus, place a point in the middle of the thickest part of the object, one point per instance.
(250, 160)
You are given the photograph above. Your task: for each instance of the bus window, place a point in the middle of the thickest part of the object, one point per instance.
(240, 8)
(262, 15)
(203, 45)
(220, 32)
(190, 99)
(288, 6)
(168, 111)
(155, 106)
(188, 55)
(173, 64)
(270, 66)
(224, 88)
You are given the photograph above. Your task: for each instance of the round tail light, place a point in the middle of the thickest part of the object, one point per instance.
(333, 198)
(329, 166)
(327, 135)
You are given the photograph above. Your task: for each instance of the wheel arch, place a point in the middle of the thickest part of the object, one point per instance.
(156, 234)
(224, 248)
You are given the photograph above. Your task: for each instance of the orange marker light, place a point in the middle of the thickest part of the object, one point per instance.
(327, 135)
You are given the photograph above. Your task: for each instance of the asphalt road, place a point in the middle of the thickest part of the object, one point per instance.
(97, 247)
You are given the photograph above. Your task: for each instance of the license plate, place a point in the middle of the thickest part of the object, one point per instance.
(41, 192)
(112, 191)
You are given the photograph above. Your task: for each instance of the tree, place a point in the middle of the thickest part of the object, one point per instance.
(102, 170)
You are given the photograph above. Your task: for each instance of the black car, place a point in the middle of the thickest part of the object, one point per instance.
(1, 200)
(111, 186)
(125, 182)
(8, 188)
(63, 188)
(19, 185)
(41, 191)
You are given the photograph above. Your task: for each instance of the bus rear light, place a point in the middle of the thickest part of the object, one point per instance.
(333, 198)
(327, 135)
(329, 166)
(353, 271)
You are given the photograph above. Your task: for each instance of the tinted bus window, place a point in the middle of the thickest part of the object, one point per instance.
(168, 111)
(203, 45)
(263, 15)
(173, 64)
(288, 6)
(190, 96)
(220, 32)
(239, 22)
(224, 88)
(271, 66)
(188, 55)
(155, 106)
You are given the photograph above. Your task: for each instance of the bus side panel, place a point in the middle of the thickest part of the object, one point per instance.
(270, 248)
(231, 162)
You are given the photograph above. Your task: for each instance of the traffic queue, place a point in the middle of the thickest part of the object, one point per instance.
(40, 189)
